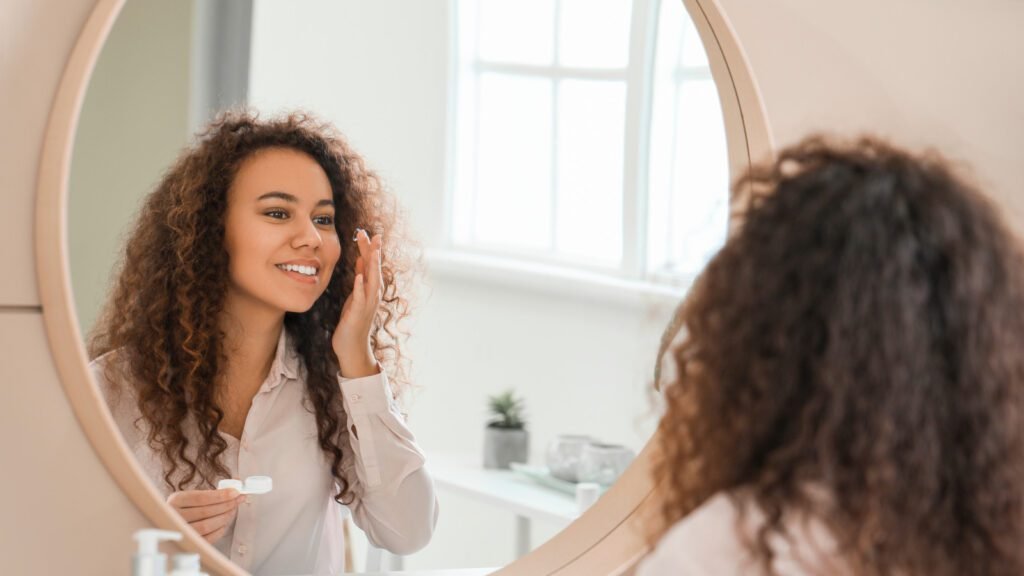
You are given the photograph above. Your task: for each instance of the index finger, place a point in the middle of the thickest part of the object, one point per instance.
(196, 498)
(363, 243)
(373, 272)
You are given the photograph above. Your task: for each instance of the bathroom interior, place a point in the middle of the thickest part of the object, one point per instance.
(564, 167)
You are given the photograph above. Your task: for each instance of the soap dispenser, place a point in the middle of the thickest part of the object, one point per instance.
(186, 565)
(148, 561)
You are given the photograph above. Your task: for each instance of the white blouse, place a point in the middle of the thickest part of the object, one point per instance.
(710, 542)
(297, 527)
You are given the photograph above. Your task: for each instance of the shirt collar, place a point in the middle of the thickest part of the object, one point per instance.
(285, 361)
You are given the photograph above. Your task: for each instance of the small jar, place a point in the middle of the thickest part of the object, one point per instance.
(563, 455)
(603, 463)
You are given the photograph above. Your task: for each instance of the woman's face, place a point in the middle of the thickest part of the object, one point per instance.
(279, 231)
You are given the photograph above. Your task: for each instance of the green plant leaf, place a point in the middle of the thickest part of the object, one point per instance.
(506, 411)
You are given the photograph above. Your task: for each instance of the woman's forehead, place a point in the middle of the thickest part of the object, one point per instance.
(281, 170)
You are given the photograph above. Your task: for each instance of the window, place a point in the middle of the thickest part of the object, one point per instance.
(588, 134)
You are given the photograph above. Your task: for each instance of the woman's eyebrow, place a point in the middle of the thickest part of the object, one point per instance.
(291, 198)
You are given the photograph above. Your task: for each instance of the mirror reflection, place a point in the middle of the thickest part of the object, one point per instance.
(554, 199)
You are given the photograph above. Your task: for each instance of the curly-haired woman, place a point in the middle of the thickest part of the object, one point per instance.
(242, 337)
(848, 395)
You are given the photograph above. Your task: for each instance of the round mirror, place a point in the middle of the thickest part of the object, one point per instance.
(563, 164)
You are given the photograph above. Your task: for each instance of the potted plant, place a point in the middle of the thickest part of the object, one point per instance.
(506, 439)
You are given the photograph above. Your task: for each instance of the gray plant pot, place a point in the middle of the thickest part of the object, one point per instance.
(505, 445)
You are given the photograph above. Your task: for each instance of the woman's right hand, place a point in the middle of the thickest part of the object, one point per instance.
(208, 512)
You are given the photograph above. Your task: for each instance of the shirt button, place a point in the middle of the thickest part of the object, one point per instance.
(356, 397)
(245, 444)
(242, 549)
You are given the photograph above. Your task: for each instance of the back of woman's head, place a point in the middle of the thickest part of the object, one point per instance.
(860, 333)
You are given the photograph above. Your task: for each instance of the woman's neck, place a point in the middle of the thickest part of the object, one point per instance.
(251, 334)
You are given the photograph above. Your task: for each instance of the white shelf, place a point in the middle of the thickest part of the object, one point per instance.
(504, 489)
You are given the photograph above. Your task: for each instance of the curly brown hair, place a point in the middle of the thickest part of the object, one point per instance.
(162, 317)
(861, 332)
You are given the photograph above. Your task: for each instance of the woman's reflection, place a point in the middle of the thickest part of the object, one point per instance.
(242, 338)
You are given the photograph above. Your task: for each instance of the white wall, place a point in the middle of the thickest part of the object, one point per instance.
(379, 71)
(937, 73)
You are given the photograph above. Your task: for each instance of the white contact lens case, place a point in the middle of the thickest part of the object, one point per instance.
(252, 485)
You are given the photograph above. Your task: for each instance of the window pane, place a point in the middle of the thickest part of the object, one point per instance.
(465, 160)
(693, 50)
(513, 193)
(688, 178)
(700, 199)
(517, 31)
(590, 146)
(594, 33)
(662, 135)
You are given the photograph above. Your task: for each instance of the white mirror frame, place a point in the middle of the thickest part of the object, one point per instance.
(605, 540)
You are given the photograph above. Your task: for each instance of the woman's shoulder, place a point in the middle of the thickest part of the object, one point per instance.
(713, 540)
(111, 374)
(107, 369)
(706, 541)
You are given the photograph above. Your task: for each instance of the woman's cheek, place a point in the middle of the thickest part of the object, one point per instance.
(331, 271)
(327, 279)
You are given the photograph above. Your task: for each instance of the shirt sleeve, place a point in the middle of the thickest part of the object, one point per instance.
(394, 501)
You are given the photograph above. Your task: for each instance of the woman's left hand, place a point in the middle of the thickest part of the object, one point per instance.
(351, 340)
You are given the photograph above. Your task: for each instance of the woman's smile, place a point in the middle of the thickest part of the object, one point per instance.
(305, 271)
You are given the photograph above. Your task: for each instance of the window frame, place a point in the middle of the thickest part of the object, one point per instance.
(509, 264)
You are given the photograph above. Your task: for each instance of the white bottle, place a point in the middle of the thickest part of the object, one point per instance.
(186, 565)
(586, 494)
(148, 561)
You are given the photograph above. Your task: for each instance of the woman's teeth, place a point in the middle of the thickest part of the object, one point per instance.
(306, 270)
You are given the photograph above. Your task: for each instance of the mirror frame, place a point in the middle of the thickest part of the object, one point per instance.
(604, 540)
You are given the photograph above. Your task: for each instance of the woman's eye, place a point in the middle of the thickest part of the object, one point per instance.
(279, 214)
(324, 220)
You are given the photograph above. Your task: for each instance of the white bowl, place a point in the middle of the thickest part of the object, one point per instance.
(563, 455)
(603, 463)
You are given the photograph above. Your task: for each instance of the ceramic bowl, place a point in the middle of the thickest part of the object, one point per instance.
(603, 463)
(563, 455)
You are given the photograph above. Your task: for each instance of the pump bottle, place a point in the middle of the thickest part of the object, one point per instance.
(186, 565)
(148, 561)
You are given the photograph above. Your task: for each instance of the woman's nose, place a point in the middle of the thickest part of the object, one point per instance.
(307, 235)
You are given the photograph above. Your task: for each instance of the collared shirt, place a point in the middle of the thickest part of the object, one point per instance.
(297, 527)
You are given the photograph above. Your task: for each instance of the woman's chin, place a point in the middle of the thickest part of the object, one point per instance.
(299, 306)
